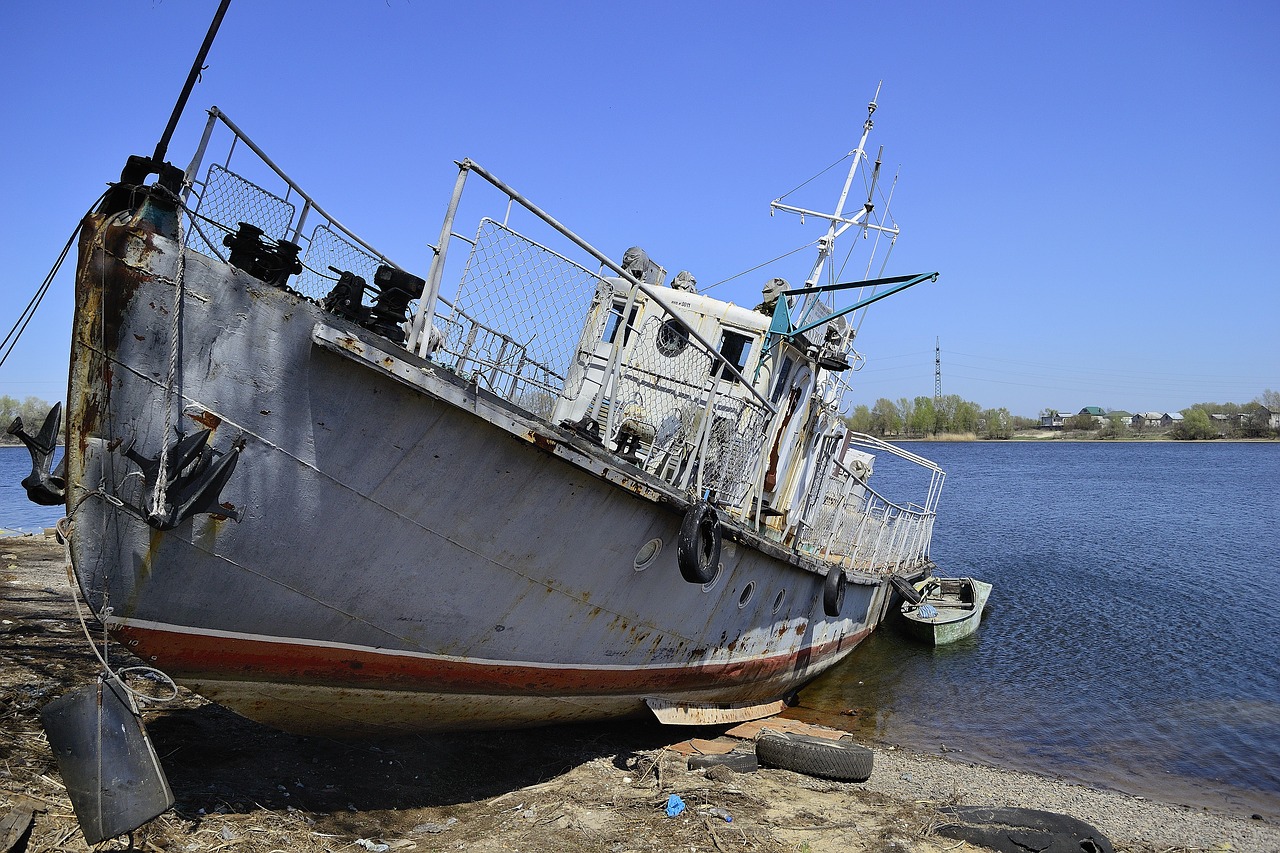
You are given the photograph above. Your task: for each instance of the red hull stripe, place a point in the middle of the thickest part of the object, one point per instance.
(228, 657)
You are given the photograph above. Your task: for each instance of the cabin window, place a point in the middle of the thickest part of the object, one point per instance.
(736, 349)
(780, 387)
(672, 338)
(611, 324)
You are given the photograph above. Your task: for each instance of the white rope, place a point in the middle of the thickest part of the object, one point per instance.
(158, 492)
(64, 532)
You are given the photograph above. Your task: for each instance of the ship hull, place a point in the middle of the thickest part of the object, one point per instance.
(394, 548)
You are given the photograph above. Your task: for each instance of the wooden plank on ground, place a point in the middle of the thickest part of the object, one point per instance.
(15, 827)
(749, 731)
(701, 746)
(733, 738)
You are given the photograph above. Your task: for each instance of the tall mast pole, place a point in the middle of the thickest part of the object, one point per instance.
(827, 242)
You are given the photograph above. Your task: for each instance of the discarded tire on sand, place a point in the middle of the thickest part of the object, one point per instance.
(1016, 830)
(739, 762)
(839, 760)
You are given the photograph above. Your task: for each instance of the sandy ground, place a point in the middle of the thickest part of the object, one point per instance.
(240, 786)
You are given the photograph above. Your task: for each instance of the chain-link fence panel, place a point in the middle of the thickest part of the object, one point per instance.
(225, 201)
(661, 389)
(328, 248)
(823, 511)
(735, 447)
(518, 317)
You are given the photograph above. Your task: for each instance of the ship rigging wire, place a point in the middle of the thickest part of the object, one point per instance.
(20, 325)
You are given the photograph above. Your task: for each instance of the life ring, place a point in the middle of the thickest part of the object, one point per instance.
(833, 592)
(841, 760)
(698, 546)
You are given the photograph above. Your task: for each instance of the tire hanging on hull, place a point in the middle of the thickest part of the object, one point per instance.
(698, 546)
(833, 592)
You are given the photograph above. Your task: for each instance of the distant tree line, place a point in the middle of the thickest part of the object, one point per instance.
(32, 410)
(1251, 420)
(952, 415)
(923, 417)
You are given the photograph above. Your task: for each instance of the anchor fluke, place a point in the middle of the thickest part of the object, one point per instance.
(43, 487)
(193, 478)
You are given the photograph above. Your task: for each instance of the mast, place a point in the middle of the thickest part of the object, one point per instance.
(838, 223)
(827, 242)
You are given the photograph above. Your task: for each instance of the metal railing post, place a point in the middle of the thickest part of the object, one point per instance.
(608, 384)
(189, 176)
(420, 335)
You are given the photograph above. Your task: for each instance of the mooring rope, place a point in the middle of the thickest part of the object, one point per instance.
(175, 328)
(64, 533)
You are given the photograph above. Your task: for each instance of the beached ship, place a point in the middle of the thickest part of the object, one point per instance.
(304, 483)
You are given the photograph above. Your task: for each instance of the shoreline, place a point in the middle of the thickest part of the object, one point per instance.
(1173, 791)
(241, 786)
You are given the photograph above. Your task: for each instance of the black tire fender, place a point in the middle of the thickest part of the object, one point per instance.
(906, 590)
(840, 760)
(698, 546)
(833, 592)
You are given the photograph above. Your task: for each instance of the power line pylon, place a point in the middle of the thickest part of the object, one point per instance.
(937, 373)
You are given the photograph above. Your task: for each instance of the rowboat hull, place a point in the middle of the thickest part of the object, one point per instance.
(957, 611)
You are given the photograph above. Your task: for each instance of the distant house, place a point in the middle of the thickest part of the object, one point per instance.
(1221, 423)
(1258, 417)
(1143, 420)
(1155, 420)
(1099, 416)
(1052, 419)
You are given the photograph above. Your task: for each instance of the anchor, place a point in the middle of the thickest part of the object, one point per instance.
(192, 479)
(44, 488)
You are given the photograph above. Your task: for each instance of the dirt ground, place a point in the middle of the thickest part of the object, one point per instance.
(241, 786)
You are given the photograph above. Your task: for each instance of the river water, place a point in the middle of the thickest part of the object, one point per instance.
(1130, 642)
(1131, 639)
(17, 514)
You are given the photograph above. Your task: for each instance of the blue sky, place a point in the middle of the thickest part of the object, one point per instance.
(1097, 183)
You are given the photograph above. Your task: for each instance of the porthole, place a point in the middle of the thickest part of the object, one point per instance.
(648, 552)
(715, 579)
(748, 592)
(777, 602)
(672, 339)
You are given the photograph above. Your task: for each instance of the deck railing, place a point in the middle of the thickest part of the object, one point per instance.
(526, 323)
(855, 525)
(247, 186)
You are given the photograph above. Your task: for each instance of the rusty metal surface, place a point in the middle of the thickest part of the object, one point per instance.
(398, 557)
